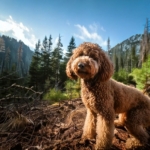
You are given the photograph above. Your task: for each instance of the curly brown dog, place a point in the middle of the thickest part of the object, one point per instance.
(103, 97)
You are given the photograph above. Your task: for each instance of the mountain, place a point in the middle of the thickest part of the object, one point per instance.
(127, 53)
(129, 43)
(14, 53)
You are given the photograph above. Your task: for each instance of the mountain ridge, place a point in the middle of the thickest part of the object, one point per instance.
(127, 54)
(10, 55)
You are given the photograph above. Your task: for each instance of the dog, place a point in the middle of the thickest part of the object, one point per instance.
(104, 97)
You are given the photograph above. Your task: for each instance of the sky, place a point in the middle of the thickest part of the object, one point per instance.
(86, 20)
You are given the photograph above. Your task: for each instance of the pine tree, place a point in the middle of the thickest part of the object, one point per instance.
(50, 44)
(2, 50)
(126, 60)
(20, 64)
(71, 47)
(145, 44)
(115, 60)
(120, 57)
(2, 45)
(45, 68)
(48, 64)
(45, 44)
(34, 70)
(56, 61)
(134, 58)
(7, 60)
(109, 52)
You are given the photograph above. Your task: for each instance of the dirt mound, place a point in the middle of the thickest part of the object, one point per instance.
(50, 127)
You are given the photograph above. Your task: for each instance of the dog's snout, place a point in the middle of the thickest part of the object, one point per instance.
(81, 65)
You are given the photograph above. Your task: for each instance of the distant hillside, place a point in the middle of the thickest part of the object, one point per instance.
(127, 53)
(14, 53)
(129, 43)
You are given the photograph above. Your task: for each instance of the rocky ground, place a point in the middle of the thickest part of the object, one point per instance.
(50, 127)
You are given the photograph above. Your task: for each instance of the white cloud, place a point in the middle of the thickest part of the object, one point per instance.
(93, 27)
(92, 36)
(18, 31)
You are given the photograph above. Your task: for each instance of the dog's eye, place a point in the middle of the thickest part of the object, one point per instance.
(95, 58)
(81, 54)
(92, 56)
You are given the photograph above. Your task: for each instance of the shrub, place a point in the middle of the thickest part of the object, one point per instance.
(121, 76)
(72, 89)
(142, 75)
(54, 95)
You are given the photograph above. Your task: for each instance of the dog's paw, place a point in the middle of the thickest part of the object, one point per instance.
(133, 143)
(118, 124)
(82, 141)
(86, 141)
(107, 147)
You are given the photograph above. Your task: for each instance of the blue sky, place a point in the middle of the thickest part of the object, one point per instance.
(86, 20)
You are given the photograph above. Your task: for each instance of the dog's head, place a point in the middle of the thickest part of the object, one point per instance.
(87, 61)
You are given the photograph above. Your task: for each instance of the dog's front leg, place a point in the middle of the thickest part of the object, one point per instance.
(105, 131)
(89, 129)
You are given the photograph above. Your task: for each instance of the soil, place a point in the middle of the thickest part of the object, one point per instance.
(51, 127)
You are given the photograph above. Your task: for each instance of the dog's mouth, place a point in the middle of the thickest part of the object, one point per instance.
(82, 72)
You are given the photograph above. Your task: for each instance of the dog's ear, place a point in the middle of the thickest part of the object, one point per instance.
(106, 68)
(69, 71)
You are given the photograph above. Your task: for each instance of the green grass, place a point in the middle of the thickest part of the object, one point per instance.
(55, 96)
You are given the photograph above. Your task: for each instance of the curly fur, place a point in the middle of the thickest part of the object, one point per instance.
(103, 97)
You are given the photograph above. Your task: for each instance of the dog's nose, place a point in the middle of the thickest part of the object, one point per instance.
(81, 65)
